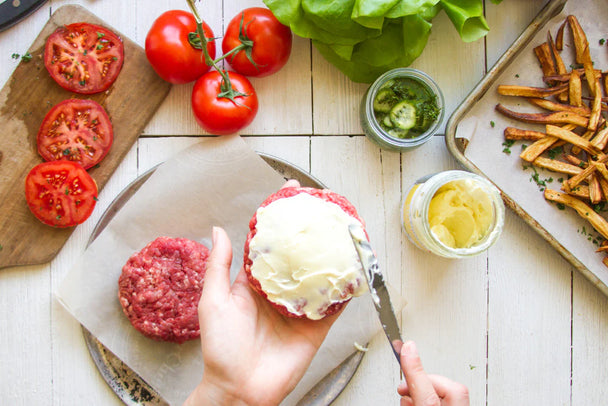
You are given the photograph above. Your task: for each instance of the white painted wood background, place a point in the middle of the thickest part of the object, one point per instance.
(518, 326)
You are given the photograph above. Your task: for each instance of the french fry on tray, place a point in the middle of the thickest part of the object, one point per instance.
(574, 140)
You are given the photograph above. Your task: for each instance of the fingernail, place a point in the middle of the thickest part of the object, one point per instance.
(409, 347)
(214, 232)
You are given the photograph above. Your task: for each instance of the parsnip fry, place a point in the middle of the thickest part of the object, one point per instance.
(516, 134)
(575, 92)
(581, 46)
(596, 110)
(557, 166)
(601, 168)
(573, 139)
(529, 91)
(582, 110)
(581, 191)
(543, 53)
(601, 139)
(560, 66)
(545, 118)
(586, 212)
(559, 38)
(537, 148)
(578, 178)
(595, 192)
(586, 136)
(603, 186)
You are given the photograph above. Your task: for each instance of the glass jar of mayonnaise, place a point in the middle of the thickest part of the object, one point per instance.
(454, 214)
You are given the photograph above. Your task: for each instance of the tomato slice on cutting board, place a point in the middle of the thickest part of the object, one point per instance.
(76, 130)
(60, 193)
(84, 58)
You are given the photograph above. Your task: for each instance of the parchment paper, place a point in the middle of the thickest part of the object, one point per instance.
(219, 182)
(506, 171)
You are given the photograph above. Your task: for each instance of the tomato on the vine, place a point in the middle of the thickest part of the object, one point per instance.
(60, 193)
(75, 130)
(83, 58)
(218, 114)
(265, 43)
(170, 47)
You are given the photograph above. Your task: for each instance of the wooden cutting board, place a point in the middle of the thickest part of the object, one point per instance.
(24, 101)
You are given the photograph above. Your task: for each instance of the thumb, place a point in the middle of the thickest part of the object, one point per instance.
(217, 276)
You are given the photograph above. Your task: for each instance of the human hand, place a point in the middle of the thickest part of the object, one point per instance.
(253, 355)
(429, 390)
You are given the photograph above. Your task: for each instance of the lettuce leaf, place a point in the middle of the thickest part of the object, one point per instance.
(365, 38)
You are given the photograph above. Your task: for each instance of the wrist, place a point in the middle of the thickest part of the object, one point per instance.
(210, 394)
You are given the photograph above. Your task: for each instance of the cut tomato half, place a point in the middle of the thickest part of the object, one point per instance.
(76, 130)
(84, 58)
(60, 193)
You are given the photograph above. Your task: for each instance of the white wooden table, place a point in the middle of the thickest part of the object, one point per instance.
(518, 326)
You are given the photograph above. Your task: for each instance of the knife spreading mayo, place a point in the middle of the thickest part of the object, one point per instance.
(303, 256)
(454, 214)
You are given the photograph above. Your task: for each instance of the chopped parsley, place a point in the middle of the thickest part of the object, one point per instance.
(554, 152)
(100, 34)
(99, 46)
(82, 82)
(541, 183)
(561, 206)
(67, 191)
(492, 124)
(25, 57)
(523, 146)
(507, 146)
(602, 41)
(517, 75)
(95, 198)
(66, 152)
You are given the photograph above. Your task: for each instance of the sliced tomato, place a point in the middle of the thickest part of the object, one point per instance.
(76, 130)
(60, 193)
(84, 58)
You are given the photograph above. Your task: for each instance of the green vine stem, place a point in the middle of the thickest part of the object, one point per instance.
(227, 90)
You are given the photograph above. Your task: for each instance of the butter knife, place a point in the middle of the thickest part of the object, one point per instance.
(377, 288)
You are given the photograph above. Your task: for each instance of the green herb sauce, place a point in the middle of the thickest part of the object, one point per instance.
(405, 108)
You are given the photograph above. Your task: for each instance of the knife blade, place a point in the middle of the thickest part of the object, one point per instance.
(377, 288)
(13, 11)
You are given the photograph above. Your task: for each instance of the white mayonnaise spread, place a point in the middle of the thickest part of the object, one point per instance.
(303, 255)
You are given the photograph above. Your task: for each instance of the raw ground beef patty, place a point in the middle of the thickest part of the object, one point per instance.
(160, 287)
(323, 194)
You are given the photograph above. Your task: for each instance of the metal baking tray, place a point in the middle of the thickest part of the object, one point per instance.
(132, 389)
(458, 146)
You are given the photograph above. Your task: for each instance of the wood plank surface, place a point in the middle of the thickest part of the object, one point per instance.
(24, 101)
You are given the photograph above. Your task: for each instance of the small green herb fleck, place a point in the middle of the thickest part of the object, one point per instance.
(114, 58)
(517, 75)
(84, 52)
(492, 124)
(67, 191)
(15, 56)
(472, 367)
(507, 146)
(602, 41)
(99, 46)
(58, 217)
(554, 152)
(82, 82)
(561, 206)
(95, 198)
(560, 180)
(523, 146)
(100, 34)
(581, 164)
(66, 152)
